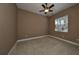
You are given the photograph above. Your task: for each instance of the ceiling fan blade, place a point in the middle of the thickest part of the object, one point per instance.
(50, 10)
(43, 6)
(46, 4)
(41, 10)
(51, 6)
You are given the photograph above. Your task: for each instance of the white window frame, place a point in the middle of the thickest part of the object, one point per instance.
(61, 24)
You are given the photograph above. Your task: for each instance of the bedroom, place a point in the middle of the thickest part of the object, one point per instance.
(56, 32)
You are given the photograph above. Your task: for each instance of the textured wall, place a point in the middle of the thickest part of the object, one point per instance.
(7, 27)
(73, 33)
(30, 24)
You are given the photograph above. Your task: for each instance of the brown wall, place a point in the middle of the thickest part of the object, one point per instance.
(7, 27)
(73, 33)
(30, 24)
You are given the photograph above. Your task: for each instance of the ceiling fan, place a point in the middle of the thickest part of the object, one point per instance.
(46, 8)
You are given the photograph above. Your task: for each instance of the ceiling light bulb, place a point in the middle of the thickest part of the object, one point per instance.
(46, 10)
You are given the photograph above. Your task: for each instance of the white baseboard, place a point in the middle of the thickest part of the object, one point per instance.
(74, 43)
(31, 38)
(12, 48)
(25, 40)
(42, 37)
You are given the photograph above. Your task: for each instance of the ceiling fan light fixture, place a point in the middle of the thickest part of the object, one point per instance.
(46, 10)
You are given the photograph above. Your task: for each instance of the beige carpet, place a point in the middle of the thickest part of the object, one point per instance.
(45, 46)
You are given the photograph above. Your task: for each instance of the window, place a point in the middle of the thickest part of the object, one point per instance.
(61, 24)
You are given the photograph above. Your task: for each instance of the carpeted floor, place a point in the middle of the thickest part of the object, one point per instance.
(45, 46)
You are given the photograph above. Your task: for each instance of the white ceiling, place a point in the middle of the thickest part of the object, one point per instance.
(35, 7)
